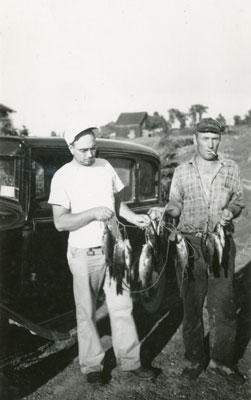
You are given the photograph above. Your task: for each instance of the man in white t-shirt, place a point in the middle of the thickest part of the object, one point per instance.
(83, 197)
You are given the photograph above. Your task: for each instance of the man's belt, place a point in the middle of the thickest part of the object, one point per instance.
(92, 250)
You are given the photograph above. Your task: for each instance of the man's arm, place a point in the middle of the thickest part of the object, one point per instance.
(170, 209)
(140, 220)
(174, 206)
(236, 204)
(65, 220)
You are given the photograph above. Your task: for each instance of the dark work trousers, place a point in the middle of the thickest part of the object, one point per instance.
(198, 284)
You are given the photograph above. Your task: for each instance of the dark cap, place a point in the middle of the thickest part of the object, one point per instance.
(209, 125)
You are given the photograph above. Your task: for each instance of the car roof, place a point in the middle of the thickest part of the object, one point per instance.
(103, 144)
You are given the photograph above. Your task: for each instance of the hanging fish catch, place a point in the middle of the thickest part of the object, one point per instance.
(146, 265)
(219, 229)
(181, 258)
(213, 245)
(118, 271)
(118, 256)
(152, 237)
(128, 259)
(107, 247)
(182, 251)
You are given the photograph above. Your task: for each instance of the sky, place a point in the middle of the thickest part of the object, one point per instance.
(69, 64)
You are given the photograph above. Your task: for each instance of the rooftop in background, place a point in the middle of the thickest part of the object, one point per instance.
(133, 118)
(5, 110)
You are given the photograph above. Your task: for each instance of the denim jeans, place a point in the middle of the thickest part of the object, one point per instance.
(199, 284)
(89, 276)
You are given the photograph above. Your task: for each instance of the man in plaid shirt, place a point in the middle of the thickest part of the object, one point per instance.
(204, 191)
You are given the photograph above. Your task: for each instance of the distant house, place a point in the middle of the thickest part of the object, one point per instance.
(4, 111)
(6, 127)
(131, 124)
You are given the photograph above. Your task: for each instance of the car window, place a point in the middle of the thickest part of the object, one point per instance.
(148, 180)
(125, 169)
(9, 177)
(44, 166)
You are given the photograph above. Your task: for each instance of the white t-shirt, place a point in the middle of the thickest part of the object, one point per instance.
(79, 188)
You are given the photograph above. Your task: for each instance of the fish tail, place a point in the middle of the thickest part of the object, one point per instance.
(119, 288)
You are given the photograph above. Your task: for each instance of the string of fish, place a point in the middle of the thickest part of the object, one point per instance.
(146, 262)
(182, 246)
(118, 254)
(149, 256)
(148, 277)
(118, 257)
(213, 243)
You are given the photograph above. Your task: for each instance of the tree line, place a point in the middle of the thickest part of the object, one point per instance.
(183, 119)
(242, 121)
(175, 118)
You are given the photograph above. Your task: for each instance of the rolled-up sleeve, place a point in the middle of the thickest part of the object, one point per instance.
(237, 198)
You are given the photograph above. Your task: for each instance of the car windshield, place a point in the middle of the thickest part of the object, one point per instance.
(9, 177)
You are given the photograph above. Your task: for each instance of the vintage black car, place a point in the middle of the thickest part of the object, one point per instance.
(35, 282)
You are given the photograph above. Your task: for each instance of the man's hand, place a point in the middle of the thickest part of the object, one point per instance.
(102, 213)
(226, 217)
(141, 220)
(155, 213)
(171, 209)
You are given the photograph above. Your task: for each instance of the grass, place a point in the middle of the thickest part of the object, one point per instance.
(166, 144)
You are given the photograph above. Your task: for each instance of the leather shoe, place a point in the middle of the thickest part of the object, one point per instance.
(95, 377)
(232, 374)
(143, 373)
(192, 371)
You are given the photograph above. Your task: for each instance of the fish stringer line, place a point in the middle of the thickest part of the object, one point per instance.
(156, 281)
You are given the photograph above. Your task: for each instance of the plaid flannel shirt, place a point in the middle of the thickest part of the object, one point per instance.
(199, 213)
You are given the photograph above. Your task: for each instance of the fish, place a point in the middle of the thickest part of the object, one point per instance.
(134, 271)
(146, 265)
(213, 252)
(181, 251)
(161, 229)
(152, 237)
(219, 229)
(181, 258)
(107, 247)
(128, 259)
(205, 247)
(218, 247)
(154, 224)
(210, 250)
(119, 261)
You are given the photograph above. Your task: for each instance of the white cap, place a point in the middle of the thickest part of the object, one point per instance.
(70, 134)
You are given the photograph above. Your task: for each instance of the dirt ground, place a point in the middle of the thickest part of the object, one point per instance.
(52, 371)
(54, 374)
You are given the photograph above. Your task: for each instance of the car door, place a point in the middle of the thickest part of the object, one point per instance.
(50, 273)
